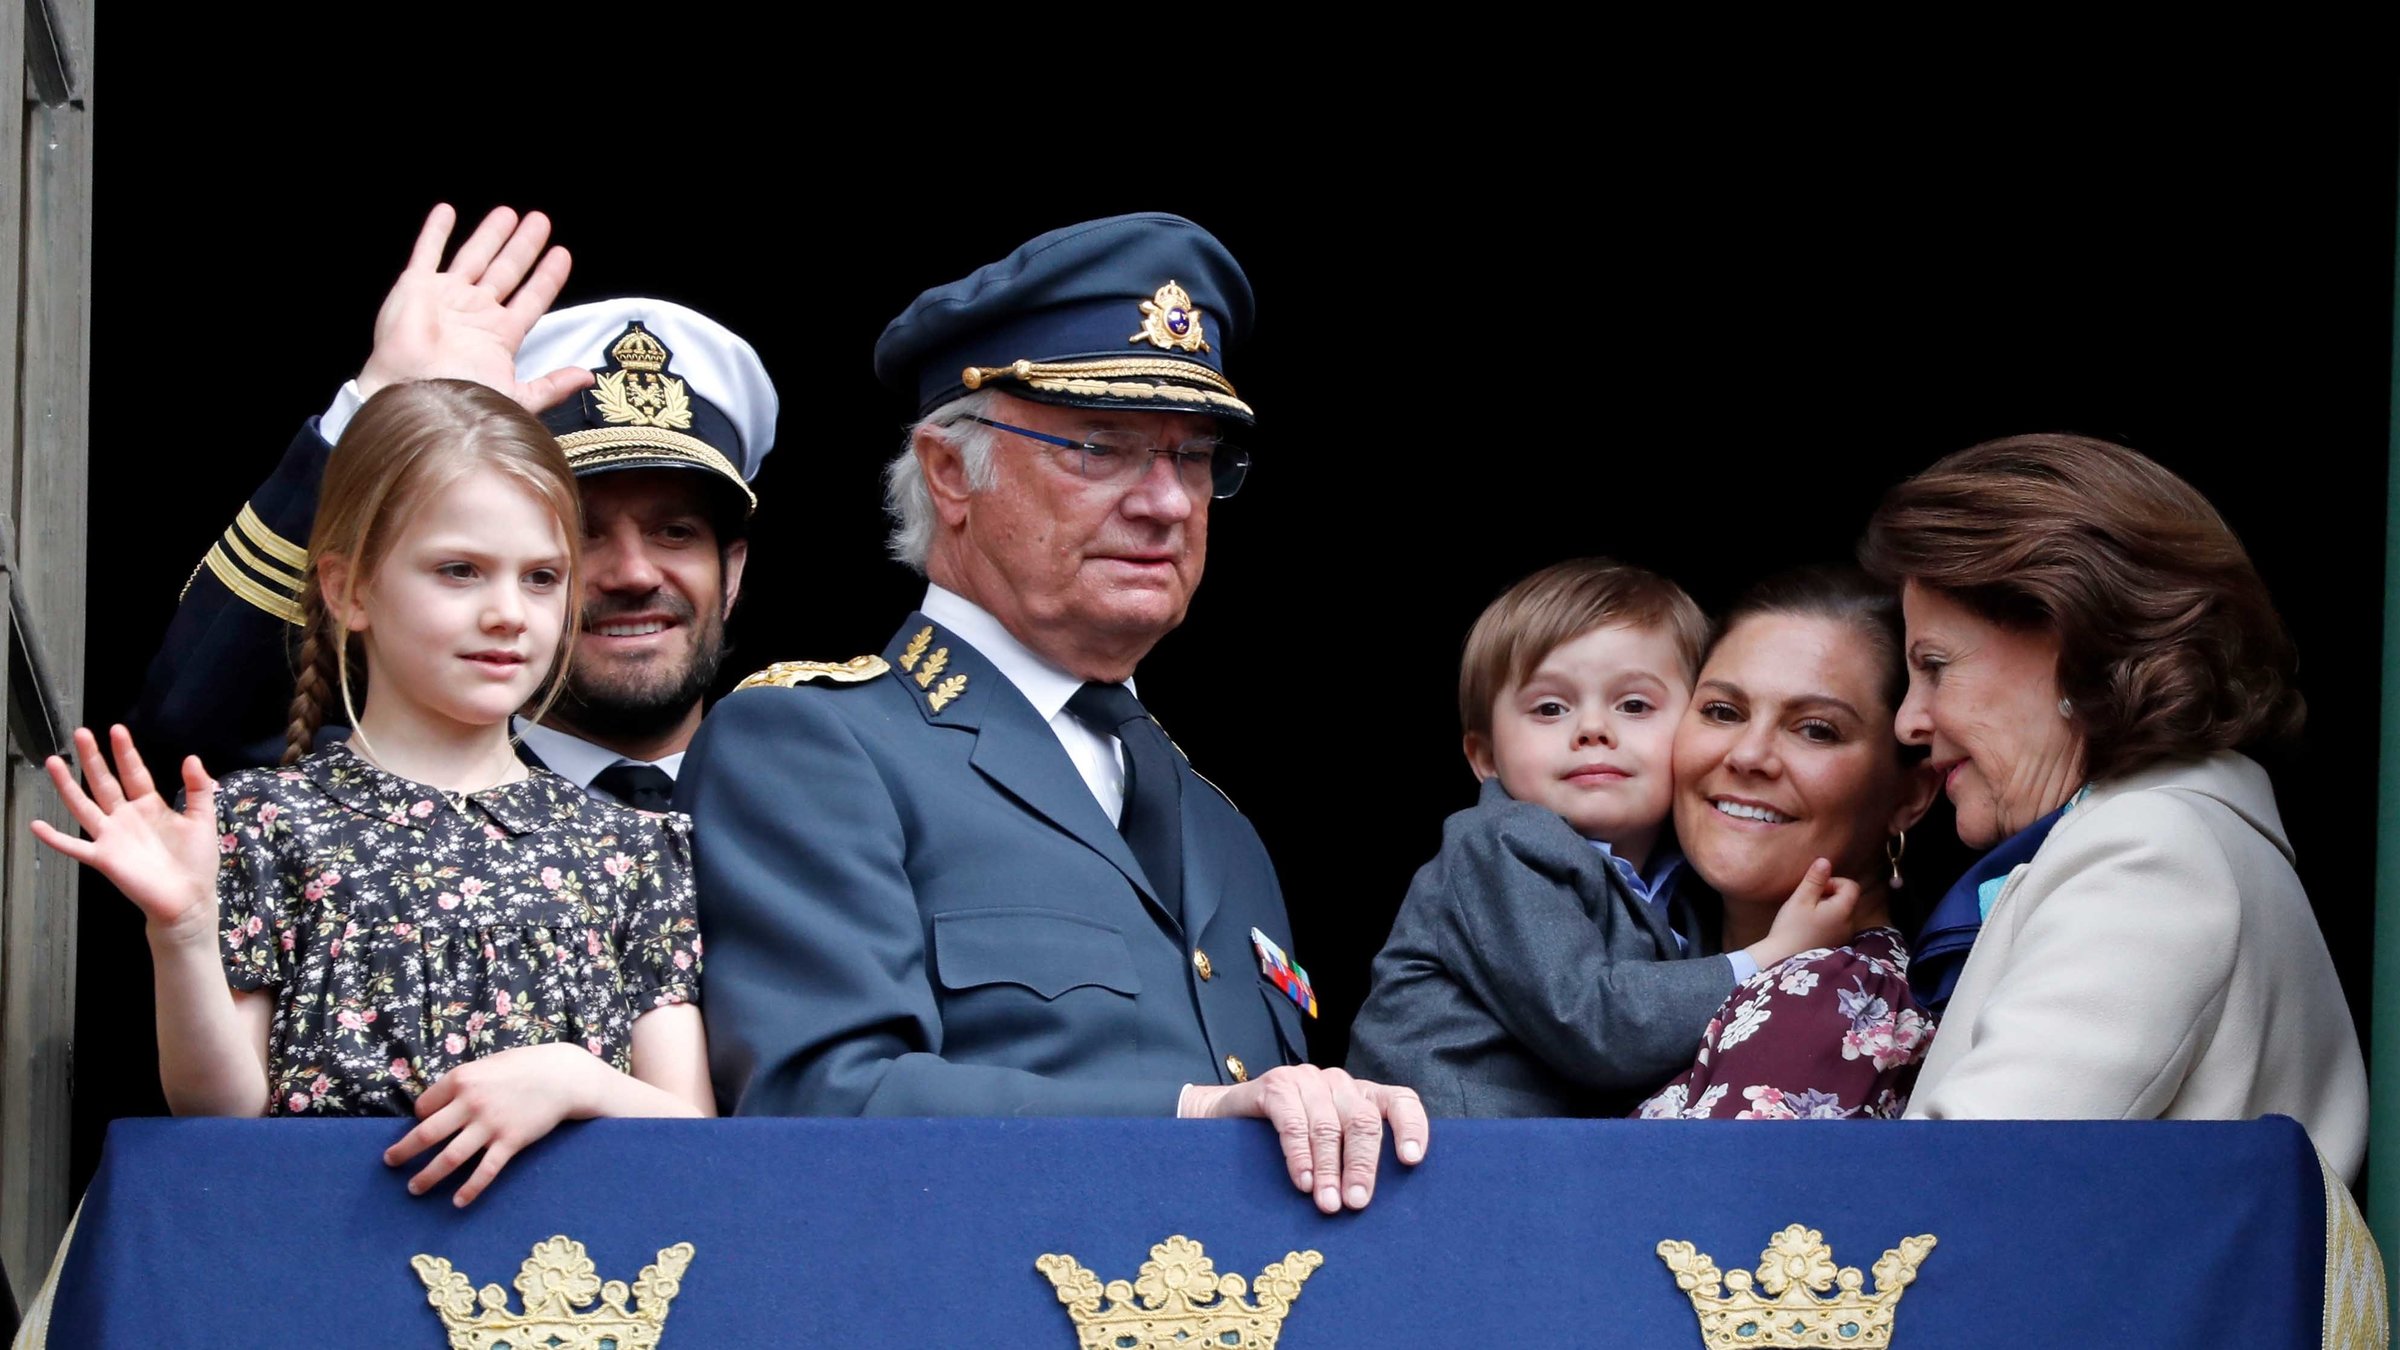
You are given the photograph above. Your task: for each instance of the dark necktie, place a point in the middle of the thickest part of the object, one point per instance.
(1152, 821)
(644, 787)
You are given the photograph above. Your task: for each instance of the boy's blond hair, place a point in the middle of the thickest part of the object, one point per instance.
(1555, 606)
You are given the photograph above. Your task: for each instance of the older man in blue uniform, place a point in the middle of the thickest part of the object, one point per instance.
(972, 876)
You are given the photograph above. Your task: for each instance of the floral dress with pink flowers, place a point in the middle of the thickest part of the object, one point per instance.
(404, 930)
(1829, 1034)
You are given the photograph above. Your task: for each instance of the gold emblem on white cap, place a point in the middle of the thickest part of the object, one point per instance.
(1171, 321)
(637, 393)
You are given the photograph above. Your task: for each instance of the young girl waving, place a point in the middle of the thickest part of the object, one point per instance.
(413, 922)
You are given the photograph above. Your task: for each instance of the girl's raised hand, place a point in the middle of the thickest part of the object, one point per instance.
(164, 860)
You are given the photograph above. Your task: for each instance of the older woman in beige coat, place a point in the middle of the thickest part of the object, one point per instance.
(2084, 632)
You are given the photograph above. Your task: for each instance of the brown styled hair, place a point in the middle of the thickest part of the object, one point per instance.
(409, 442)
(1845, 595)
(1558, 604)
(2168, 641)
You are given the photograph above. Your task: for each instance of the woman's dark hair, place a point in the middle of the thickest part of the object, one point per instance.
(1846, 595)
(2169, 644)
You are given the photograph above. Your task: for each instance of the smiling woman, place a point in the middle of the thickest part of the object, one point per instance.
(1785, 763)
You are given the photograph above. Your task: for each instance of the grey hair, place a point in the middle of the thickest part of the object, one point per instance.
(905, 496)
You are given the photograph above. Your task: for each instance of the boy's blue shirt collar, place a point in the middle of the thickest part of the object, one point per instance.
(1655, 890)
(1651, 885)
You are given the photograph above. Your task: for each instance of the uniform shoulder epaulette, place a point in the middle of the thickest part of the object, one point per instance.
(785, 674)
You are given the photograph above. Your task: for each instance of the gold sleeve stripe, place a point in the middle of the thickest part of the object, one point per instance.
(268, 542)
(239, 582)
(267, 570)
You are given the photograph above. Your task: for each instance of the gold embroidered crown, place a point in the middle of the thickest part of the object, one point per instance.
(1180, 1302)
(637, 350)
(555, 1281)
(1798, 1307)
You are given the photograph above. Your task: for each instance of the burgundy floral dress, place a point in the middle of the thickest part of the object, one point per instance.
(1829, 1034)
(404, 930)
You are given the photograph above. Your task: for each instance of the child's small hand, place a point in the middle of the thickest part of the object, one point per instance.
(164, 860)
(1819, 914)
(498, 1106)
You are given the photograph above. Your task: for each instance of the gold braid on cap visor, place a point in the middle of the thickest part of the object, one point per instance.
(603, 446)
(1107, 379)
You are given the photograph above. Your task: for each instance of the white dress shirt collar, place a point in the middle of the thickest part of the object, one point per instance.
(1044, 685)
(1098, 759)
(578, 760)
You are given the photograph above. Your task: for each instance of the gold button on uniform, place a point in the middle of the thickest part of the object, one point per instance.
(1233, 1065)
(1200, 963)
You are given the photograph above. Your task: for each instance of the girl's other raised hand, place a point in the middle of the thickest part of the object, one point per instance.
(164, 860)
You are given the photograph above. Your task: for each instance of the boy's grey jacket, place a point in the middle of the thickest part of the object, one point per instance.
(1521, 979)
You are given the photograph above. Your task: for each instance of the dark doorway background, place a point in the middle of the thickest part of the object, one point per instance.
(1701, 332)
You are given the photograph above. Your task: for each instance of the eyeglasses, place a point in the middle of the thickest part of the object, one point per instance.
(1122, 458)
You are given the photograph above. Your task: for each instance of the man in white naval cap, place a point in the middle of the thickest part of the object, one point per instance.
(663, 412)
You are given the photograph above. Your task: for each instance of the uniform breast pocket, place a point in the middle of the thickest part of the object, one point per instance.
(1047, 951)
(1037, 989)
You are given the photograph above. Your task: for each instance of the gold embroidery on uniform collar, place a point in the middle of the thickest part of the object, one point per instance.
(786, 674)
(1179, 1300)
(555, 1281)
(948, 689)
(933, 666)
(1799, 1307)
(1171, 321)
(916, 647)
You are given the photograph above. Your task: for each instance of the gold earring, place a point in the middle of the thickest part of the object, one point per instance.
(1893, 848)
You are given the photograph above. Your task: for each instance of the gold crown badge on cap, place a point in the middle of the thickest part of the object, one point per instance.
(1171, 322)
(639, 392)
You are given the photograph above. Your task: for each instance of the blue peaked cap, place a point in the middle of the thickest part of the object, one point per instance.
(1131, 312)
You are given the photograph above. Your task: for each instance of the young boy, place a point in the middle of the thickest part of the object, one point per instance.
(1536, 967)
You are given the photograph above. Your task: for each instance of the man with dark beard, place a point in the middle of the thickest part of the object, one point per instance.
(663, 413)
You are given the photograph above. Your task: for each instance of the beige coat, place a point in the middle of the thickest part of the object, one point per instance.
(2157, 959)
